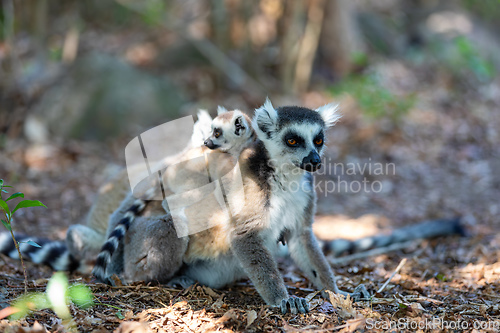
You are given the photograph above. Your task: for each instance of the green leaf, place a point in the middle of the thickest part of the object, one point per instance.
(81, 295)
(30, 242)
(441, 277)
(119, 315)
(7, 225)
(27, 303)
(15, 195)
(28, 203)
(1, 183)
(4, 206)
(4, 191)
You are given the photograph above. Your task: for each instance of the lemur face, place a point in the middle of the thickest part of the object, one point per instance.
(303, 145)
(229, 129)
(293, 135)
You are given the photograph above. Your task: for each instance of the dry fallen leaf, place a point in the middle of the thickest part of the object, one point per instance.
(251, 316)
(133, 327)
(343, 305)
(231, 314)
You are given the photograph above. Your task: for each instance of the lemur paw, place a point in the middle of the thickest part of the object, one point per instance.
(360, 294)
(181, 281)
(295, 304)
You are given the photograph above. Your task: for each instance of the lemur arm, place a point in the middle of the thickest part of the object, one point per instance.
(307, 254)
(260, 266)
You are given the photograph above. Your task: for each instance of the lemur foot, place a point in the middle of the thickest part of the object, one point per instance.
(360, 294)
(295, 304)
(181, 281)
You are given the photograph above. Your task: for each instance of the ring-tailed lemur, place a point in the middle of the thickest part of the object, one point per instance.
(231, 133)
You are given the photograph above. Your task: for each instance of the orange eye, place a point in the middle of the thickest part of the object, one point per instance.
(318, 141)
(292, 142)
(216, 134)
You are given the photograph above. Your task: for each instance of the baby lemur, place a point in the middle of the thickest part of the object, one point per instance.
(231, 133)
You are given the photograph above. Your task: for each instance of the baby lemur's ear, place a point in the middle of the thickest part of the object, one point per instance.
(329, 113)
(265, 119)
(221, 110)
(239, 125)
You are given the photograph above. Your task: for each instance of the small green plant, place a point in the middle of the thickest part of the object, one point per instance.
(471, 59)
(56, 297)
(375, 100)
(8, 212)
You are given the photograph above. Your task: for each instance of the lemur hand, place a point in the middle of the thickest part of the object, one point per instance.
(295, 304)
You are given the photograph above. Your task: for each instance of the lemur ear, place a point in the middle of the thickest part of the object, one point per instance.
(239, 125)
(221, 110)
(329, 113)
(265, 119)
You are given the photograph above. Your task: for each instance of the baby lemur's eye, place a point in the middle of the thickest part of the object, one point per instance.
(318, 141)
(217, 133)
(291, 142)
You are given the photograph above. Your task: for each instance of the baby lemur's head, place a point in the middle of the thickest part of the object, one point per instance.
(231, 131)
(294, 136)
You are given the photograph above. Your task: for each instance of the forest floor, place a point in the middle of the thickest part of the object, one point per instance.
(446, 158)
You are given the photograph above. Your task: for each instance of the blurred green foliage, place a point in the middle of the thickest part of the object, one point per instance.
(375, 100)
(486, 9)
(460, 57)
(57, 297)
(469, 57)
(154, 12)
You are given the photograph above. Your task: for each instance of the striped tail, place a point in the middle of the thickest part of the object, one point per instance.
(424, 230)
(114, 240)
(52, 253)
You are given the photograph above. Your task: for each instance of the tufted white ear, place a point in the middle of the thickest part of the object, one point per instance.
(221, 110)
(329, 113)
(265, 119)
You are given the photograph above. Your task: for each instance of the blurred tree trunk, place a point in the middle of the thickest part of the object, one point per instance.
(291, 27)
(309, 45)
(340, 39)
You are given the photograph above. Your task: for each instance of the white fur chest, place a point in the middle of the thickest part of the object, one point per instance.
(288, 202)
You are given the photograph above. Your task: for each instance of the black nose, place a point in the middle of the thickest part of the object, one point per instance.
(209, 144)
(311, 162)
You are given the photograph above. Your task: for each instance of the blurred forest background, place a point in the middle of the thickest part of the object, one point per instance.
(417, 81)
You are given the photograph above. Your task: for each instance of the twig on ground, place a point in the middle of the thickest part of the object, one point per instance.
(401, 264)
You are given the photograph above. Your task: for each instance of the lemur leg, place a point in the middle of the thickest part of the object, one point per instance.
(214, 273)
(261, 268)
(152, 251)
(307, 254)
